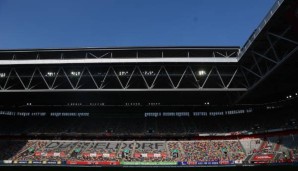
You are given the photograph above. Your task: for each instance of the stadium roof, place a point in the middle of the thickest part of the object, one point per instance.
(266, 58)
(270, 55)
(122, 48)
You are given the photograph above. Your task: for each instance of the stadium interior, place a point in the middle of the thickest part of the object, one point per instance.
(164, 106)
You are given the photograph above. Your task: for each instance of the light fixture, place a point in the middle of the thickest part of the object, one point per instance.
(50, 74)
(75, 73)
(201, 72)
(2, 75)
(149, 73)
(123, 73)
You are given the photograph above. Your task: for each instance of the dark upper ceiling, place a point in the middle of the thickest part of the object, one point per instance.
(281, 33)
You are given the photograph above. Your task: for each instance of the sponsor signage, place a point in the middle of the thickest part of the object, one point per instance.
(32, 162)
(51, 162)
(224, 162)
(106, 163)
(71, 162)
(7, 161)
(263, 157)
(148, 163)
(22, 162)
(182, 163)
(36, 162)
(238, 161)
(92, 162)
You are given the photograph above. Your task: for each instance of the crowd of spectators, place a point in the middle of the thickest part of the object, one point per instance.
(236, 150)
(195, 151)
(175, 150)
(148, 151)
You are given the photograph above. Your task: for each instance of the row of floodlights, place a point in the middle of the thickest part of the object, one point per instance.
(121, 73)
(290, 96)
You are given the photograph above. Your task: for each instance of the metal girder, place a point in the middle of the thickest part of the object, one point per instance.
(259, 29)
(130, 90)
(118, 61)
(284, 38)
(262, 57)
(272, 68)
(65, 78)
(251, 72)
(265, 57)
(271, 47)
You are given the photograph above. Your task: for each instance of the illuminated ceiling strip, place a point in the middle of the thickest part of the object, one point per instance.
(109, 61)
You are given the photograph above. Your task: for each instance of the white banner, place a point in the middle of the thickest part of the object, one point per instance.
(7, 161)
(238, 161)
(92, 154)
(56, 154)
(106, 155)
(157, 155)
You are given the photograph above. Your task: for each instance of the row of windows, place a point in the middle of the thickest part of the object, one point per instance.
(74, 104)
(132, 104)
(200, 113)
(69, 114)
(228, 112)
(152, 114)
(153, 104)
(97, 104)
(216, 113)
(24, 114)
(7, 113)
(179, 114)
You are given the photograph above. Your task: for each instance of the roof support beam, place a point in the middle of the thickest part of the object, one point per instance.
(119, 61)
(129, 90)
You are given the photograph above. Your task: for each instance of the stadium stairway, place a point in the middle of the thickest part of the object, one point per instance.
(167, 148)
(248, 158)
(119, 149)
(133, 149)
(242, 147)
(277, 156)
